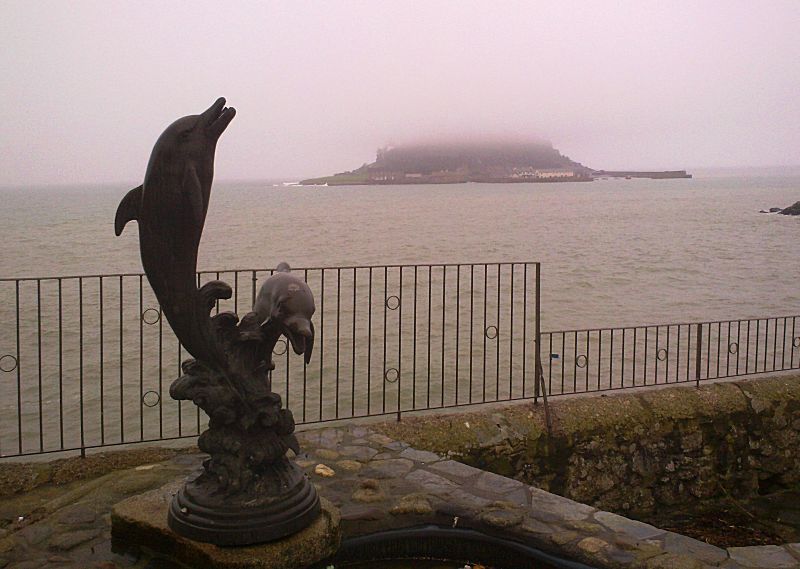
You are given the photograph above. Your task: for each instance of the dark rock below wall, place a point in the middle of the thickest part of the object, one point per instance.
(791, 210)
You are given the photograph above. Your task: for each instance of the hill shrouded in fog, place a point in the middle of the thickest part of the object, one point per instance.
(453, 162)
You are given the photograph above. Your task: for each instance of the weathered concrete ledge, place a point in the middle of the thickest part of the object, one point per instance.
(633, 452)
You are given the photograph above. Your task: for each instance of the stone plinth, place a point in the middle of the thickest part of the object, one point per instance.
(142, 521)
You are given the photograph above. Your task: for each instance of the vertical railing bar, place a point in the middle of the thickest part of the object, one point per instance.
(633, 371)
(775, 345)
(783, 345)
(646, 345)
(688, 350)
(369, 345)
(80, 365)
(728, 352)
(414, 347)
(385, 293)
(766, 343)
(678, 355)
(575, 364)
(666, 367)
(400, 344)
(485, 299)
(236, 292)
(430, 301)
(719, 339)
(538, 333)
(141, 360)
(305, 367)
(353, 378)
(511, 338)
(458, 322)
(758, 340)
(160, 373)
(708, 352)
(550, 360)
(444, 327)
(738, 344)
(747, 352)
(497, 341)
(39, 356)
(698, 356)
(19, 373)
(588, 356)
(253, 281)
(794, 324)
(61, 363)
(655, 364)
(563, 366)
(524, 332)
(102, 366)
(622, 362)
(338, 335)
(121, 361)
(610, 361)
(599, 356)
(321, 340)
(180, 403)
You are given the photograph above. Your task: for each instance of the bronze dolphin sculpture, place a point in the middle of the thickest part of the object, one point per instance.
(170, 208)
(285, 302)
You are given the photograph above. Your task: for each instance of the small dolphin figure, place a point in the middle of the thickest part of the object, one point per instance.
(170, 208)
(286, 302)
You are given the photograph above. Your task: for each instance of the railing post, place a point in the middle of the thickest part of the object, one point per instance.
(697, 358)
(538, 338)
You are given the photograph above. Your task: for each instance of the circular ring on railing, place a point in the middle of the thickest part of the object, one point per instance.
(796, 342)
(151, 402)
(4, 366)
(491, 332)
(662, 354)
(391, 375)
(393, 302)
(280, 343)
(152, 319)
(733, 348)
(581, 361)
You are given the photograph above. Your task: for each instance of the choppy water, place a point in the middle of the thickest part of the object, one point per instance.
(613, 253)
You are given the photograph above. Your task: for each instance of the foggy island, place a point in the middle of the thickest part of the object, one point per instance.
(493, 162)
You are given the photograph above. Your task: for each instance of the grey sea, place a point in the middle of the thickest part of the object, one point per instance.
(613, 253)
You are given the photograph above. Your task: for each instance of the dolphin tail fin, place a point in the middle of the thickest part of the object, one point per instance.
(283, 267)
(214, 290)
(128, 209)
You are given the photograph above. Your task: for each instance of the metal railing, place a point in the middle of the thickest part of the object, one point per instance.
(604, 359)
(86, 361)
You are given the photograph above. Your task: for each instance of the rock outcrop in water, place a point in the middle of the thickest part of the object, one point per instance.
(791, 210)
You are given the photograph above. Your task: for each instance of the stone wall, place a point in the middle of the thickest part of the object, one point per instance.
(634, 452)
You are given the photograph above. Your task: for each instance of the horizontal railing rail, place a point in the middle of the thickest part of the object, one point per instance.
(86, 361)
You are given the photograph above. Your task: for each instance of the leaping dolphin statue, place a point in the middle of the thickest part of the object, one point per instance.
(170, 208)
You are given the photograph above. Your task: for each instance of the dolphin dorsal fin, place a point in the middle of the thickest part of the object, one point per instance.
(283, 267)
(128, 209)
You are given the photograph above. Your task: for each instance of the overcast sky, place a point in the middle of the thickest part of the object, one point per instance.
(87, 87)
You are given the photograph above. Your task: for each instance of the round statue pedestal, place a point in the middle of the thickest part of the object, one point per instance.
(142, 521)
(281, 502)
